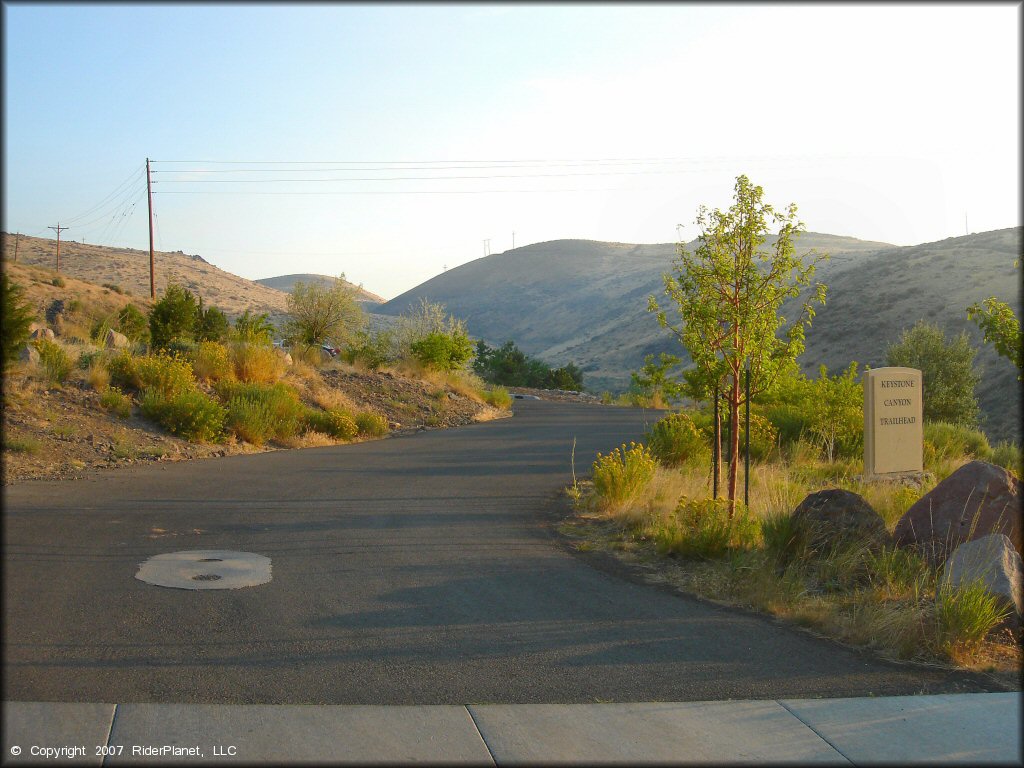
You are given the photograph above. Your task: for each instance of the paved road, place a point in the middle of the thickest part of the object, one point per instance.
(418, 570)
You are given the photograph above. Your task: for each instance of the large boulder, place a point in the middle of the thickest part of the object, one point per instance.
(835, 517)
(995, 562)
(977, 500)
(115, 340)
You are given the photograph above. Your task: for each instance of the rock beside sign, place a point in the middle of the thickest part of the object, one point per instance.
(977, 500)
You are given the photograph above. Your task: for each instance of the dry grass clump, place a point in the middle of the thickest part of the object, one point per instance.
(884, 598)
(256, 363)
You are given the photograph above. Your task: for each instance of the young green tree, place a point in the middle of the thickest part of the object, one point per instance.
(17, 317)
(211, 324)
(947, 370)
(729, 293)
(324, 313)
(836, 409)
(652, 380)
(173, 317)
(1001, 328)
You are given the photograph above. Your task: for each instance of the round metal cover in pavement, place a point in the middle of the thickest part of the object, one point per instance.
(205, 569)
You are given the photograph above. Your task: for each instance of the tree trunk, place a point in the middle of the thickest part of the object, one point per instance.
(734, 440)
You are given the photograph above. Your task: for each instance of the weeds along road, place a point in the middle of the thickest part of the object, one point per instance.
(414, 570)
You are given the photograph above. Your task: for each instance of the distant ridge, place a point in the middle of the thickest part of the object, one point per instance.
(287, 282)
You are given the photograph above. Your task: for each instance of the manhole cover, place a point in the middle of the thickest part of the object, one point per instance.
(205, 569)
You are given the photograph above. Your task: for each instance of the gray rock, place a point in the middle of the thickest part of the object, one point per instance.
(836, 517)
(29, 355)
(977, 500)
(996, 563)
(42, 333)
(115, 340)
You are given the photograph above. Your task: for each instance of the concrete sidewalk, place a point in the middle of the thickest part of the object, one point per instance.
(961, 728)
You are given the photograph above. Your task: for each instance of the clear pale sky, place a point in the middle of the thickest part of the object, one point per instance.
(880, 122)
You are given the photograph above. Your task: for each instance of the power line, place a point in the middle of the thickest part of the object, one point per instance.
(88, 212)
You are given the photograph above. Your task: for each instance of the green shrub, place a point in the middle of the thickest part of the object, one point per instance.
(116, 401)
(498, 397)
(27, 445)
(443, 351)
(211, 324)
(1008, 455)
(132, 323)
(58, 282)
(791, 422)
(371, 424)
(371, 350)
(55, 361)
(87, 359)
(169, 374)
(623, 473)
(896, 571)
(253, 328)
(17, 317)
(762, 437)
(949, 441)
(675, 439)
(115, 288)
(258, 412)
(189, 413)
(702, 529)
(334, 422)
(173, 317)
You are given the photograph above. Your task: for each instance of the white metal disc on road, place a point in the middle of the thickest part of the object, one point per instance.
(205, 569)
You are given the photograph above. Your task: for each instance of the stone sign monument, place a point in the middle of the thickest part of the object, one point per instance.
(893, 429)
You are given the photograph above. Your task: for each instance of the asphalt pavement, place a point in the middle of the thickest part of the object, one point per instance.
(418, 572)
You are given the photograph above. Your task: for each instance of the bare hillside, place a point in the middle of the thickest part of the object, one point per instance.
(128, 269)
(586, 302)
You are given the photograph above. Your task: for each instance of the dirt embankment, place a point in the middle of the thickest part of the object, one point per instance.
(64, 433)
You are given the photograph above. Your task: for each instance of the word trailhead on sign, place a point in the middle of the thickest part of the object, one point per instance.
(893, 429)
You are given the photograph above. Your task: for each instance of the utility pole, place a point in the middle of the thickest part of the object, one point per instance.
(17, 237)
(59, 229)
(149, 196)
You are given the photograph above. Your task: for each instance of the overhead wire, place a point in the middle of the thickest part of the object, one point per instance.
(118, 189)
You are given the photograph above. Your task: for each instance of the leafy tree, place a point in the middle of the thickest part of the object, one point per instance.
(17, 317)
(947, 372)
(211, 324)
(421, 321)
(321, 314)
(568, 377)
(836, 410)
(173, 318)
(729, 293)
(652, 379)
(1001, 328)
(509, 366)
(254, 328)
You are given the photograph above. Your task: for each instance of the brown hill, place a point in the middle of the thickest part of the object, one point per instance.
(128, 269)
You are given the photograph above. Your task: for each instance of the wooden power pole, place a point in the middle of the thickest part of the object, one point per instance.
(59, 229)
(149, 196)
(17, 237)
